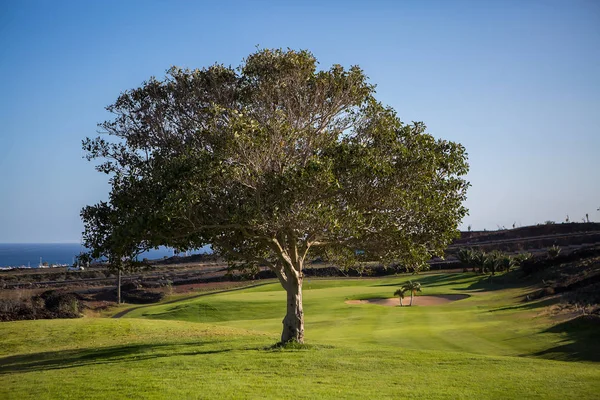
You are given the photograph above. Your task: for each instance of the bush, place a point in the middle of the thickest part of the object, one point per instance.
(554, 251)
(15, 310)
(521, 258)
(539, 294)
(48, 305)
(589, 294)
(60, 304)
(139, 296)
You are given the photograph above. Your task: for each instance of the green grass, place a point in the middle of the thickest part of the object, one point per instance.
(490, 345)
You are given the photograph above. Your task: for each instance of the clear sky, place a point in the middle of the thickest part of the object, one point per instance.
(517, 82)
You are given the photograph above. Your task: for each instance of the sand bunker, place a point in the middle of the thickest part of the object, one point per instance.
(417, 301)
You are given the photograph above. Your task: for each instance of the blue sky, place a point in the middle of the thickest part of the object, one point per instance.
(517, 82)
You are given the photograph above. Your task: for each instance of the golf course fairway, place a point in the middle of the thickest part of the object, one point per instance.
(488, 344)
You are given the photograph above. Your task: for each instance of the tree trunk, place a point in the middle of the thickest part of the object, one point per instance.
(400, 301)
(119, 287)
(411, 299)
(293, 323)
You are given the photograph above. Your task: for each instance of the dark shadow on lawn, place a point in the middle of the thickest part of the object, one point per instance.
(530, 305)
(106, 355)
(434, 280)
(582, 342)
(127, 311)
(487, 283)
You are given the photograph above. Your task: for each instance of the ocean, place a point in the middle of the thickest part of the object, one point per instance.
(28, 254)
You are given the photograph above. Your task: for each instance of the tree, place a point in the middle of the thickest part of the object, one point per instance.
(412, 288)
(82, 259)
(507, 262)
(465, 256)
(275, 163)
(492, 262)
(478, 260)
(472, 258)
(400, 294)
(110, 236)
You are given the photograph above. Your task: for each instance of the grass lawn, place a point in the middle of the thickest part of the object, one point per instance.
(490, 345)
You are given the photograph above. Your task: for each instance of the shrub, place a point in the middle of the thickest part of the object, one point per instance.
(522, 257)
(169, 288)
(48, 305)
(60, 304)
(139, 296)
(14, 309)
(131, 285)
(554, 251)
(547, 291)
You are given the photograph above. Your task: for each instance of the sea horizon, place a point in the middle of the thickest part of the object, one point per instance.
(32, 254)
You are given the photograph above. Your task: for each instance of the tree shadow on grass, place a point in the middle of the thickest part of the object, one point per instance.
(106, 355)
(488, 283)
(581, 343)
(434, 280)
(483, 283)
(530, 305)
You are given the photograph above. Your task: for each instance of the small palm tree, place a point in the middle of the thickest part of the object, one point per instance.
(400, 294)
(507, 262)
(479, 258)
(493, 262)
(553, 251)
(465, 256)
(412, 288)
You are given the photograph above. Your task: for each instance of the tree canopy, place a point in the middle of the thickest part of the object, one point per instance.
(273, 163)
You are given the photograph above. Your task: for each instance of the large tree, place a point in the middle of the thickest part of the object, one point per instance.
(274, 163)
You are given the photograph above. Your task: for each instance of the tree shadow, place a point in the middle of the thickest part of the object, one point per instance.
(107, 355)
(581, 343)
(183, 299)
(433, 280)
(530, 305)
(488, 283)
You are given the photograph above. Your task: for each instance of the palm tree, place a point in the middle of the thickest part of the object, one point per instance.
(465, 256)
(413, 288)
(400, 294)
(493, 262)
(479, 260)
(507, 262)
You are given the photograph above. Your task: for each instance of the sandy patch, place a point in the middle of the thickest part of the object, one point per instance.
(417, 301)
